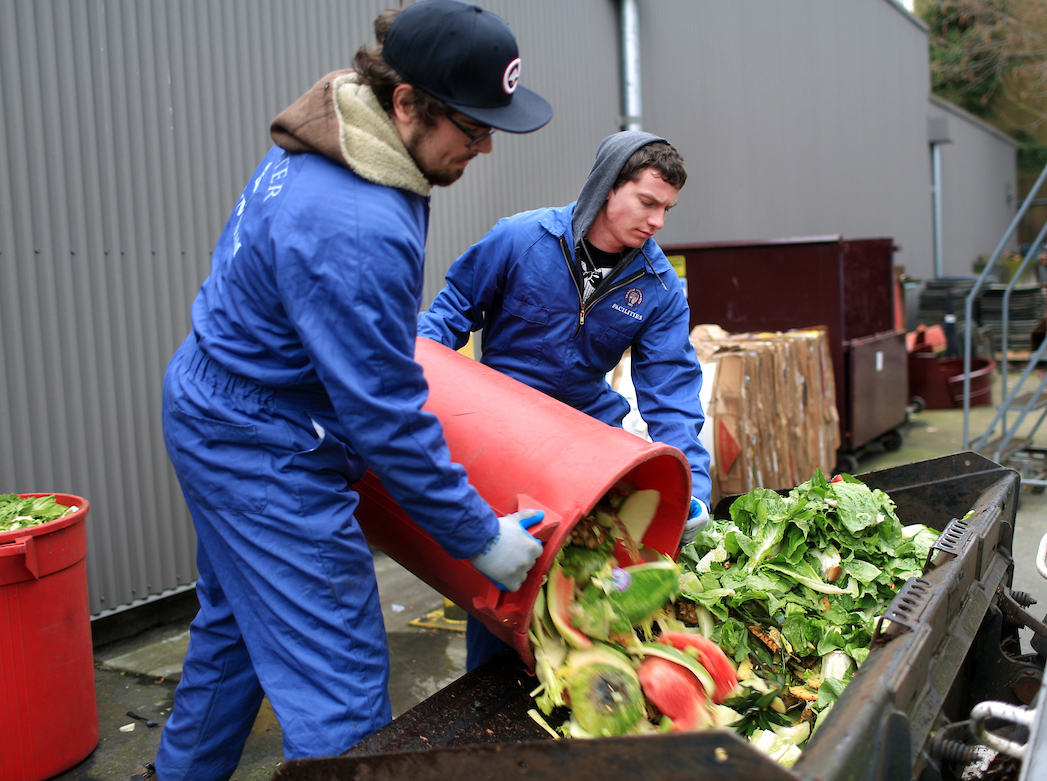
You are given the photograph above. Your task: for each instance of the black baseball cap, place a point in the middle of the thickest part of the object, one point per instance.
(467, 57)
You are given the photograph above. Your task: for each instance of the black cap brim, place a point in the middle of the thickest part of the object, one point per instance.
(527, 112)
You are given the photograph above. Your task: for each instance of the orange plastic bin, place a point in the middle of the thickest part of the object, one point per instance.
(521, 449)
(48, 713)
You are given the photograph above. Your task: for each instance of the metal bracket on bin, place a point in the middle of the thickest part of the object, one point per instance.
(952, 541)
(905, 609)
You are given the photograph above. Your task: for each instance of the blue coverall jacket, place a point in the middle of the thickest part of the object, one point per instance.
(519, 284)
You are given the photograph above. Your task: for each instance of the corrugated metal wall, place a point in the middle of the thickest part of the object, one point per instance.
(129, 127)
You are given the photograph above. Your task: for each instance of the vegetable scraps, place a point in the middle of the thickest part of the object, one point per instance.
(18, 513)
(791, 587)
(607, 645)
(759, 628)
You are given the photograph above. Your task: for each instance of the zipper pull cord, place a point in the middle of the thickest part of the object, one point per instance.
(657, 276)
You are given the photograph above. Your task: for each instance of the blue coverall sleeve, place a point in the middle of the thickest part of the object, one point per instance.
(667, 378)
(352, 290)
(473, 285)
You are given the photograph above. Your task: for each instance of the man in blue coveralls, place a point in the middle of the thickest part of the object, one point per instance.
(562, 293)
(299, 376)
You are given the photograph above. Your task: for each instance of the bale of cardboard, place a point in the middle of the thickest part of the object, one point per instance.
(772, 408)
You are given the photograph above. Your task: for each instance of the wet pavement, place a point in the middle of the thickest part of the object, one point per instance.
(138, 675)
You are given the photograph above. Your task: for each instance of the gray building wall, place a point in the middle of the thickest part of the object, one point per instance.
(128, 129)
(979, 187)
(796, 119)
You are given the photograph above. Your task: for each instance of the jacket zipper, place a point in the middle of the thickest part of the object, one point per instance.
(582, 308)
(577, 286)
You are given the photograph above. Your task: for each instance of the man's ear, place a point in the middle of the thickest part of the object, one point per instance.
(403, 109)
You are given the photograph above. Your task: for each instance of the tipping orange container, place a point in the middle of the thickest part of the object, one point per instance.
(521, 450)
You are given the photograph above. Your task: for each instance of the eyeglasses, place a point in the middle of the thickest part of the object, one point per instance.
(474, 137)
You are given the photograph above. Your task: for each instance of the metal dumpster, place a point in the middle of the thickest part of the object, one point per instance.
(952, 642)
(846, 285)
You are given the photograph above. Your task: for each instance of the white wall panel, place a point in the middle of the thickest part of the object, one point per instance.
(796, 119)
(979, 188)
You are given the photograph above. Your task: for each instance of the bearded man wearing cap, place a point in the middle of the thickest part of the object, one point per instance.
(299, 376)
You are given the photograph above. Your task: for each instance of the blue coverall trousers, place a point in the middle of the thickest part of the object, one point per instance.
(289, 604)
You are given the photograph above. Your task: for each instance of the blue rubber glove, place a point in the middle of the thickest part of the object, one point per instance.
(697, 519)
(511, 553)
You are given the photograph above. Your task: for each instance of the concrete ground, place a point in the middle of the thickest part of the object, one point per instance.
(138, 675)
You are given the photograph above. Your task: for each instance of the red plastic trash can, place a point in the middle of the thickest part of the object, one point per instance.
(48, 712)
(521, 449)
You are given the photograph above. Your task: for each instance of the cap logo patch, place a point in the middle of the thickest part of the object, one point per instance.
(511, 77)
(633, 297)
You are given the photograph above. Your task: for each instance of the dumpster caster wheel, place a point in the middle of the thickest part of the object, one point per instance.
(846, 462)
(916, 405)
(892, 440)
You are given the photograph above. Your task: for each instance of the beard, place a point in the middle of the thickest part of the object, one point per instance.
(438, 176)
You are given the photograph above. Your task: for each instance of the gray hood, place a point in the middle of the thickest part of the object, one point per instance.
(613, 153)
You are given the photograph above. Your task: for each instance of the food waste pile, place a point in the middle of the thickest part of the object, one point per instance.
(757, 627)
(18, 513)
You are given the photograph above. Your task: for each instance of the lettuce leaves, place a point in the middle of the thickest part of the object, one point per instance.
(818, 565)
(17, 513)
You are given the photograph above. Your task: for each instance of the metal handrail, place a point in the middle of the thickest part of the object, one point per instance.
(1009, 398)
(1034, 251)
(973, 295)
(1001, 411)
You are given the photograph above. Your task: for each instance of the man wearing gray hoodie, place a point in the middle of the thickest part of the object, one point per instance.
(561, 293)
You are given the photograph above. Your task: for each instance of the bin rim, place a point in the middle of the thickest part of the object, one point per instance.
(69, 500)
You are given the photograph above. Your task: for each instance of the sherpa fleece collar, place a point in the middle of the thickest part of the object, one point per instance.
(341, 119)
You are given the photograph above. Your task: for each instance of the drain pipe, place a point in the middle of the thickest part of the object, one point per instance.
(936, 189)
(937, 135)
(629, 31)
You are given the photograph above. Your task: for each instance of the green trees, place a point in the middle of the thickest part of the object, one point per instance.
(990, 57)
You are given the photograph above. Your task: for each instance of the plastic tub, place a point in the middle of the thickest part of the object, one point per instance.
(48, 713)
(939, 381)
(980, 380)
(521, 449)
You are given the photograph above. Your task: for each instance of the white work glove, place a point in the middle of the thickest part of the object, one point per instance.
(511, 553)
(698, 519)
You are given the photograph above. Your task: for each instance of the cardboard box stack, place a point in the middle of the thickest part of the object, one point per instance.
(773, 407)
